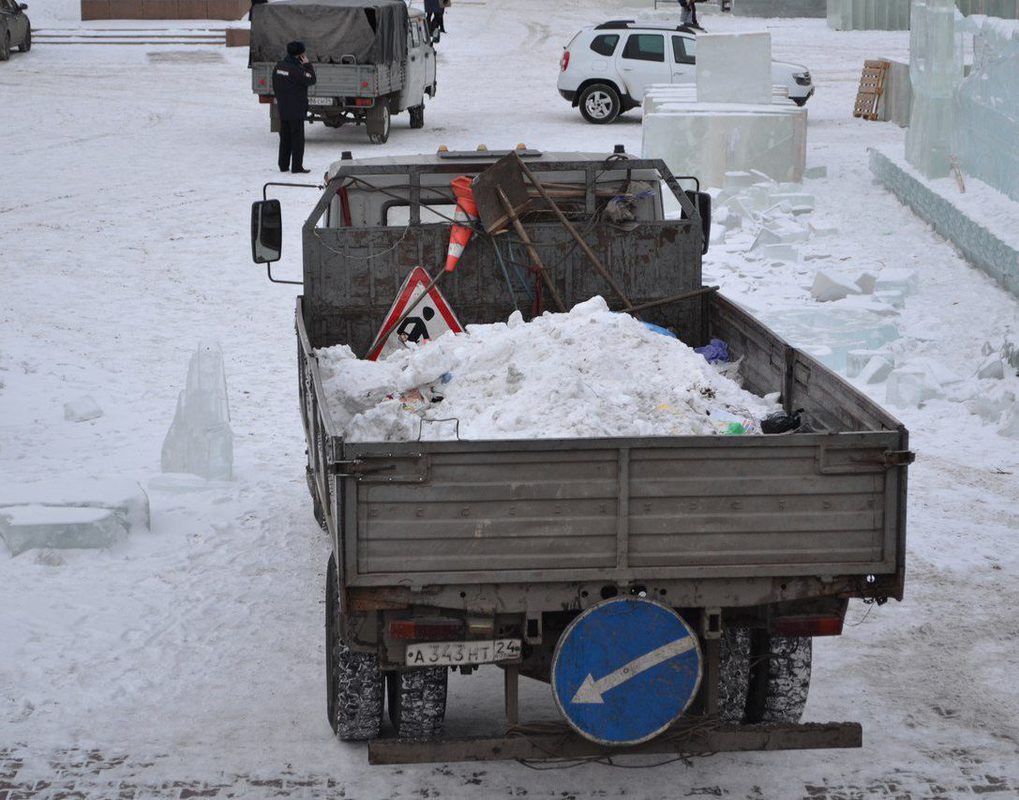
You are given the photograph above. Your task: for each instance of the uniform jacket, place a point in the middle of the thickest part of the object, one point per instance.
(290, 82)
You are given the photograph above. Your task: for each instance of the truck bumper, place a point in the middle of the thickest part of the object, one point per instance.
(695, 740)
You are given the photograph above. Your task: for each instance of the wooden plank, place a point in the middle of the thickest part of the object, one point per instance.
(872, 83)
(688, 737)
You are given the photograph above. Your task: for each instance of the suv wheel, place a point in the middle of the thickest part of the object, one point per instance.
(599, 103)
(26, 45)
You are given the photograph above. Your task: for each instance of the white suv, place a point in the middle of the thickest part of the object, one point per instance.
(605, 70)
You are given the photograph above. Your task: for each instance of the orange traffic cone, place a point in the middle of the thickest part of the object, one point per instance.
(466, 213)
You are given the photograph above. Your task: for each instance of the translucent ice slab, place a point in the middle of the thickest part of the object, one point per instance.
(868, 15)
(830, 334)
(30, 526)
(986, 103)
(734, 68)
(709, 140)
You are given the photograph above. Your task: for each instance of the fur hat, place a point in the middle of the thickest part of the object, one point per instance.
(295, 48)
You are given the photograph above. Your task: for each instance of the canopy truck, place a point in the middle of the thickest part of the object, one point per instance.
(372, 59)
(450, 555)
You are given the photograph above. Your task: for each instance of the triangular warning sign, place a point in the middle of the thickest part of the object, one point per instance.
(429, 319)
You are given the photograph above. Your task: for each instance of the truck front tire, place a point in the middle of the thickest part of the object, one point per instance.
(354, 690)
(26, 45)
(5, 45)
(417, 701)
(417, 116)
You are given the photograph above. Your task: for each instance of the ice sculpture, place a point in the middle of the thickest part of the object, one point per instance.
(935, 69)
(200, 440)
(987, 106)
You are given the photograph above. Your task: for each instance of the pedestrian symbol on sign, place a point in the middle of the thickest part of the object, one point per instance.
(414, 329)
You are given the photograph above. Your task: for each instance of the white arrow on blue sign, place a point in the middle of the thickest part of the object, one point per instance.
(625, 670)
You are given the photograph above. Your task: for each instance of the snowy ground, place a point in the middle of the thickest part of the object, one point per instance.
(191, 659)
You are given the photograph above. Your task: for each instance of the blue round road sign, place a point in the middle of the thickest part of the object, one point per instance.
(624, 670)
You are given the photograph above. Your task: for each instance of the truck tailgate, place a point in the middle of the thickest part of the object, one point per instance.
(339, 80)
(804, 504)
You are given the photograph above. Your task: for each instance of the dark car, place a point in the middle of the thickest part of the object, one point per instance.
(15, 29)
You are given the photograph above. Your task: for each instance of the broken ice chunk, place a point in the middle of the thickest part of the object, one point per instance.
(901, 280)
(827, 288)
(909, 387)
(876, 370)
(82, 410)
(867, 282)
(993, 369)
(856, 360)
(1010, 424)
(780, 252)
(120, 495)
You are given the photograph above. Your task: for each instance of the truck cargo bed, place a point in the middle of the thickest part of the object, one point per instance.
(825, 503)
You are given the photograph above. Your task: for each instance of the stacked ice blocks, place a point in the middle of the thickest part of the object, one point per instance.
(732, 122)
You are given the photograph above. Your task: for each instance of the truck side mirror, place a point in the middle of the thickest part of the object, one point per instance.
(266, 231)
(703, 202)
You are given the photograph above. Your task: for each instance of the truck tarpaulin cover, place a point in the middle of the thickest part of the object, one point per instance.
(372, 31)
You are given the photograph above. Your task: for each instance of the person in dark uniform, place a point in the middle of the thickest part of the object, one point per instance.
(291, 78)
(434, 13)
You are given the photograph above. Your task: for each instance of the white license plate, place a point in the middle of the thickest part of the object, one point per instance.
(320, 101)
(489, 651)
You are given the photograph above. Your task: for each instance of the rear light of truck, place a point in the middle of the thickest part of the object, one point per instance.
(435, 629)
(265, 98)
(564, 62)
(362, 101)
(807, 626)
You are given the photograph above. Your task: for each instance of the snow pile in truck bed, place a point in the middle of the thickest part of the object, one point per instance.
(590, 372)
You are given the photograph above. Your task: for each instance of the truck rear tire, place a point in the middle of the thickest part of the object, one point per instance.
(734, 675)
(377, 120)
(417, 116)
(354, 690)
(779, 678)
(417, 701)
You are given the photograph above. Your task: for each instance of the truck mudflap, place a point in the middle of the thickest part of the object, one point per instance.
(688, 737)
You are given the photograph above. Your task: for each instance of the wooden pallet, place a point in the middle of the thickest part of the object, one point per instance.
(872, 86)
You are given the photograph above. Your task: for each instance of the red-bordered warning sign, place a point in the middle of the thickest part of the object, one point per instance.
(430, 318)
